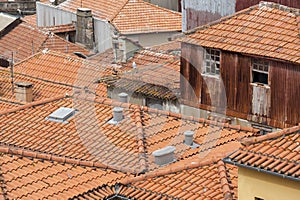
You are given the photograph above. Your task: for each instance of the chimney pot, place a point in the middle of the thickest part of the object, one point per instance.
(117, 114)
(164, 156)
(123, 97)
(189, 137)
(24, 91)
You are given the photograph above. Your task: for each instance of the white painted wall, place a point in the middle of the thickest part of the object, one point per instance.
(48, 15)
(151, 39)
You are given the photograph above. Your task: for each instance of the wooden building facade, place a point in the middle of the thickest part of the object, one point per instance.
(246, 65)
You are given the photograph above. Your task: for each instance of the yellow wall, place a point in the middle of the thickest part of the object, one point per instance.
(253, 184)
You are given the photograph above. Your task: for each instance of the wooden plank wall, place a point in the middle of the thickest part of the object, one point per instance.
(204, 92)
(242, 4)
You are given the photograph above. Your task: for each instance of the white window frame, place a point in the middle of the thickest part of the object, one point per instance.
(211, 62)
(260, 66)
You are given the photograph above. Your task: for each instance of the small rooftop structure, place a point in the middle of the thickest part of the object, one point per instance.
(61, 115)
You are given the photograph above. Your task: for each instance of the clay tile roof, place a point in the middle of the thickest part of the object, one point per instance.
(25, 40)
(27, 178)
(60, 28)
(146, 78)
(130, 16)
(277, 153)
(138, 16)
(266, 30)
(41, 89)
(30, 19)
(208, 180)
(65, 70)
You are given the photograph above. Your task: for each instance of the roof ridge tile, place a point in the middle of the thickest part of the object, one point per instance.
(224, 181)
(273, 135)
(34, 103)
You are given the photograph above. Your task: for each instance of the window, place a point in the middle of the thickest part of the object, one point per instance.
(260, 71)
(212, 62)
(257, 198)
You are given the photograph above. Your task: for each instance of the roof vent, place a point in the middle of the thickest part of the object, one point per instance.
(165, 155)
(24, 91)
(117, 116)
(61, 115)
(189, 139)
(123, 97)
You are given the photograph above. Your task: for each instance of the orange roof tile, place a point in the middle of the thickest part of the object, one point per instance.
(277, 153)
(65, 70)
(25, 40)
(88, 148)
(130, 16)
(146, 78)
(30, 19)
(263, 30)
(27, 178)
(41, 89)
(138, 16)
(60, 28)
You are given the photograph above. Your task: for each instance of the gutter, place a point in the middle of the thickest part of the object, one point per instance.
(229, 161)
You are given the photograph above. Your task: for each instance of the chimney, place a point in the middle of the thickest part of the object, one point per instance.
(164, 156)
(24, 91)
(85, 27)
(124, 48)
(189, 137)
(117, 114)
(123, 97)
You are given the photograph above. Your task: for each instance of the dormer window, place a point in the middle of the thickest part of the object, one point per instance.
(260, 71)
(211, 62)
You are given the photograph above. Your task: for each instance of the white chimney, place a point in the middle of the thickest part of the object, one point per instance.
(118, 114)
(164, 156)
(123, 97)
(189, 138)
(24, 91)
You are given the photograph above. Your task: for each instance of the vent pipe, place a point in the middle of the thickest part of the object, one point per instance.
(123, 97)
(117, 114)
(164, 156)
(24, 91)
(189, 138)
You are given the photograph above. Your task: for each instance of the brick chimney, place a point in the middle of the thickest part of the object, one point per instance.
(85, 27)
(24, 91)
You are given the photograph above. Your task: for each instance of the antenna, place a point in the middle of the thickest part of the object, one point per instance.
(32, 47)
(12, 73)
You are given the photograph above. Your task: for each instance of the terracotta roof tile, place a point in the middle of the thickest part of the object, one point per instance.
(130, 16)
(25, 40)
(264, 30)
(30, 19)
(35, 179)
(60, 28)
(276, 152)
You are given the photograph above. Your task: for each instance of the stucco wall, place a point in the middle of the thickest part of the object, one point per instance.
(151, 39)
(253, 184)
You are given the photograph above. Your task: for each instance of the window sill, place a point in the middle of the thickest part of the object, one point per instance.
(210, 76)
(260, 85)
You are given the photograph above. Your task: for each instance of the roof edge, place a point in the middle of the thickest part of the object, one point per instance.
(171, 170)
(56, 158)
(224, 181)
(34, 103)
(228, 160)
(273, 135)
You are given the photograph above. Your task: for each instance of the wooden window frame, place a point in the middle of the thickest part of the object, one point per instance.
(260, 70)
(211, 62)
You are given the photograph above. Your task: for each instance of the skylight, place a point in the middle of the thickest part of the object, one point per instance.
(61, 115)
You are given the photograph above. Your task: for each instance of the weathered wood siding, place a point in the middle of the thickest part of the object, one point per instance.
(199, 12)
(242, 4)
(277, 105)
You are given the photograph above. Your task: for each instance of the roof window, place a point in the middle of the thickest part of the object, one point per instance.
(61, 115)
